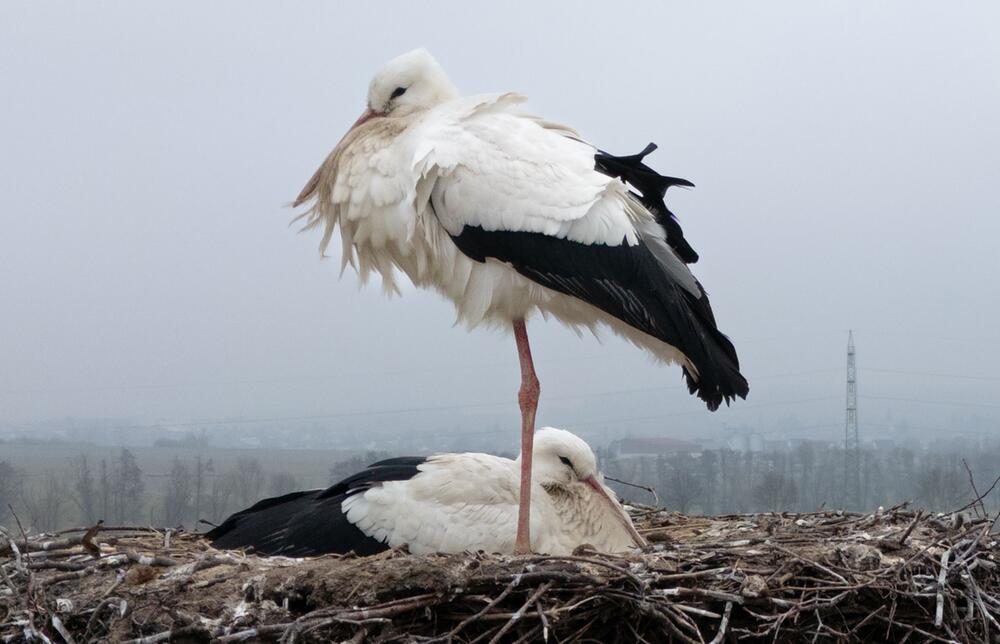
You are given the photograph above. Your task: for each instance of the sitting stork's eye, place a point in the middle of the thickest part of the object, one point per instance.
(566, 461)
(396, 93)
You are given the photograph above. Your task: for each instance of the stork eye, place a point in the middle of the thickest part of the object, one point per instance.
(396, 93)
(566, 461)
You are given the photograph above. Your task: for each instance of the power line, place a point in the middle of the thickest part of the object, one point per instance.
(929, 374)
(699, 412)
(928, 401)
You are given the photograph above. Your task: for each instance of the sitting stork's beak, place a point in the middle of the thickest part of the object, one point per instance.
(602, 491)
(366, 116)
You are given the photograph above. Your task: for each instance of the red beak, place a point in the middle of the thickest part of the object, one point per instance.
(366, 116)
(625, 521)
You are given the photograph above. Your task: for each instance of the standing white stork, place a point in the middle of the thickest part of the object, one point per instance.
(505, 214)
(444, 503)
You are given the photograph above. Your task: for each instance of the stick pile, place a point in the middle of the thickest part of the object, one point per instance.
(890, 575)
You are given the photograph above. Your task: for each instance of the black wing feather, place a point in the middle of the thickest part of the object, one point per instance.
(627, 282)
(311, 523)
(652, 188)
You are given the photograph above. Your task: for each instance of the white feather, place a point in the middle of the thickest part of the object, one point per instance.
(467, 502)
(478, 161)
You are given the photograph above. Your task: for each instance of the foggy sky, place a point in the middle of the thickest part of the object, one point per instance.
(846, 156)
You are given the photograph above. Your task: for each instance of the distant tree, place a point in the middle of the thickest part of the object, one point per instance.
(282, 483)
(940, 487)
(83, 488)
(774, 491)
(11, 481)
(680, 484)
(342, 469)
(105, 490)
(220, 499)
(44, 502)
(178, 493)
(127, 488)
(199, 485)
(248, 480)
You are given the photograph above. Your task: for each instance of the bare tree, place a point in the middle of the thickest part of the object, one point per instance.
(679, 483)
(44, 502)
(11, 482)
(83, 489)
(199, 485)
(127, 488)
(282, 483)
(774, 491)
(342, 469)
(220, 498)
(248, 480)
(178, 494)
(105, 490)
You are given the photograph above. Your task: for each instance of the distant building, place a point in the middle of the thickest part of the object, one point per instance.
(653, 446)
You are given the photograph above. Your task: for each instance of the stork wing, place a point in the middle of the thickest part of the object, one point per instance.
(311, 522)
(458, 502)
(518, 190)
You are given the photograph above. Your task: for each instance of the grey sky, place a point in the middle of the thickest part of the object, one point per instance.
(847, 158)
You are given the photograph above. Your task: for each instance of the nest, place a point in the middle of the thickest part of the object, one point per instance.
(890, 575)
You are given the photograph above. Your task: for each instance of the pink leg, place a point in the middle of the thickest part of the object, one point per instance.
(528, 399)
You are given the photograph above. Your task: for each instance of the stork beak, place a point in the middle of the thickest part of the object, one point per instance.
(366, 116)
(626, 522)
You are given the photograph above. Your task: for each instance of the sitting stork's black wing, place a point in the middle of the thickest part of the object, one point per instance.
(312, 522)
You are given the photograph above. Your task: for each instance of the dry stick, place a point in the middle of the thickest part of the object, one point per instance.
(914, 629)
(942, 578)
(88, 540)
(545, 620)
(520, 611)
(977, 505)
(455, 631)
(94, 617)
(528, 636)
(909, 528)
(597, 562)
(61, 629)
(651, 490)
(23, 534)
(651, 610)
(723, 624)
(979, 498)
(812, 563)
(867, 619)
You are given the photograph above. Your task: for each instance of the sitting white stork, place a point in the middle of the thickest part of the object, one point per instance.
(505, 214)
(449, 503)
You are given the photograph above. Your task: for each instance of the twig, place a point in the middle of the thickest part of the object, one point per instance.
(979, 498)
(721, 634)
(651, 490)
(520, 612)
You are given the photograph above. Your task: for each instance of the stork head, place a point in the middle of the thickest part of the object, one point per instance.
(562, 459)
(407, 84)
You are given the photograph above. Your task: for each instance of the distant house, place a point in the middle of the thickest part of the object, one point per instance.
(653, 446)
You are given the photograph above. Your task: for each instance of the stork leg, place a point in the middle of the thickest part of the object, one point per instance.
(527, 398)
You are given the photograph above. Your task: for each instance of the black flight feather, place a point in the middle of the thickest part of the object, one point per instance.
(652, 188)
(312, 522)
(627, 282)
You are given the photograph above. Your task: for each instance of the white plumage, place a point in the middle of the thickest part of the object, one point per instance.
(468, 502)
(448, 503)
(488, 164)
(506, 214)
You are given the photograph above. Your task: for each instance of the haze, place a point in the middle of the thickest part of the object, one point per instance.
(846, 156)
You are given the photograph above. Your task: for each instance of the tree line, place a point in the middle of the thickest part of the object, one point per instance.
(806, 478)
(809, 477)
